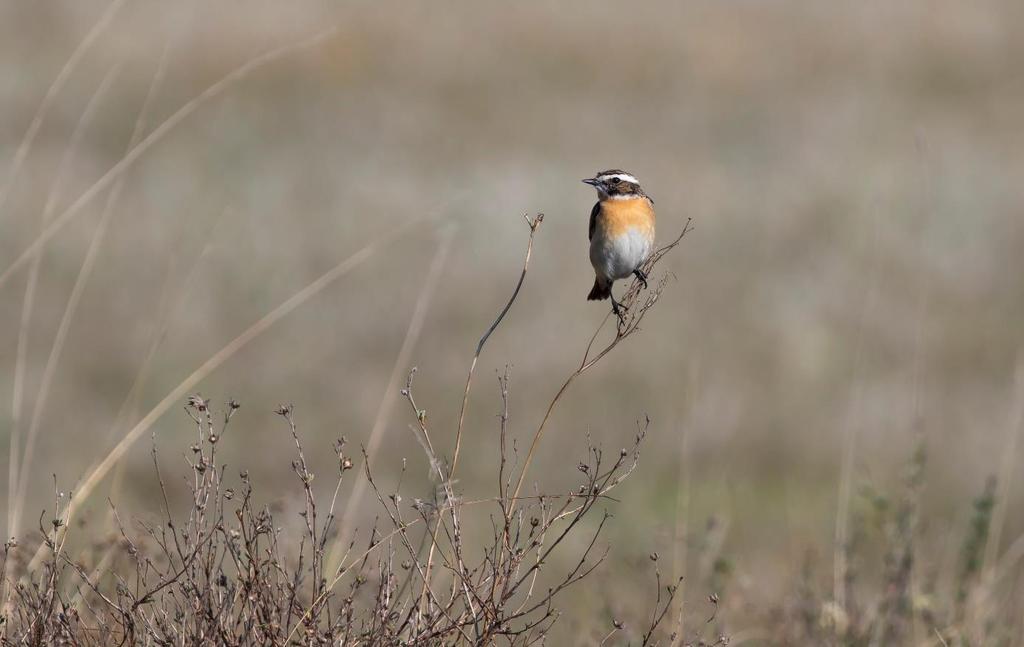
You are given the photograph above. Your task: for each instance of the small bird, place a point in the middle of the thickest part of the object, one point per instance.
(621, 232)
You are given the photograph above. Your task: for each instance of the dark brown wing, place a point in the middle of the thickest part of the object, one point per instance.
(593, 219)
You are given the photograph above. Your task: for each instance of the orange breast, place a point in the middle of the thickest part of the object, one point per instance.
(618, 216)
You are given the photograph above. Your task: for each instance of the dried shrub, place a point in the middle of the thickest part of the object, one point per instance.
(222, 571)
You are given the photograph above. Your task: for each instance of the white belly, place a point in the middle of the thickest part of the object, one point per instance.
(616, 257)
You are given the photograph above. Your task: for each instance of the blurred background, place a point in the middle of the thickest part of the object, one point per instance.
(852, 284)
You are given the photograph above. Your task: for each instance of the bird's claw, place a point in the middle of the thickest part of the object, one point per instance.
(641, 276)
(619, 310)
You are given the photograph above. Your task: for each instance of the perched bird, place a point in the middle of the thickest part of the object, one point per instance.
(621, 232)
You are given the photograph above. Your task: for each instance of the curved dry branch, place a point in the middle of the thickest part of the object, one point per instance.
(534, 224)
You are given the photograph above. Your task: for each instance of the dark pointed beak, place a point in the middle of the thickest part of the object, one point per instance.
(592, 181)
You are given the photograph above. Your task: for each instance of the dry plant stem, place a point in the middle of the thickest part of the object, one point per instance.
(43, 110)
(627, 326)
(659, 612)
(26, 316)
(381, 541)
(534, 225)
(412, 335)
(158, 134)
(344, 570)
(446, 483)
(88, 483)
(398, 522)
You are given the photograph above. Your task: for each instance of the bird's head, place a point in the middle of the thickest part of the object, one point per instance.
(615, 185)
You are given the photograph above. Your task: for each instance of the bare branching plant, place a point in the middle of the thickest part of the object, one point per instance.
(223, 570)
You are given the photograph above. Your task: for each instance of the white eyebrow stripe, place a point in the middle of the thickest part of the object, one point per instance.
(625, 177)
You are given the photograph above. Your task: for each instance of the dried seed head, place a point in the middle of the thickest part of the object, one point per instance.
(653, 557)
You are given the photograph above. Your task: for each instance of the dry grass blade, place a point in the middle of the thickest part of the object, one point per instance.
(27, 307)
(80, 282)
(159, 133)
(87, 484)
(51, 93)
(412, 334)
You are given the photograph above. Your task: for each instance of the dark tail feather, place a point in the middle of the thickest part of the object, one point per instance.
(599, 292)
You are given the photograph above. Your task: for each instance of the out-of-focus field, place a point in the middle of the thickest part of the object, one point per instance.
(854, 279)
